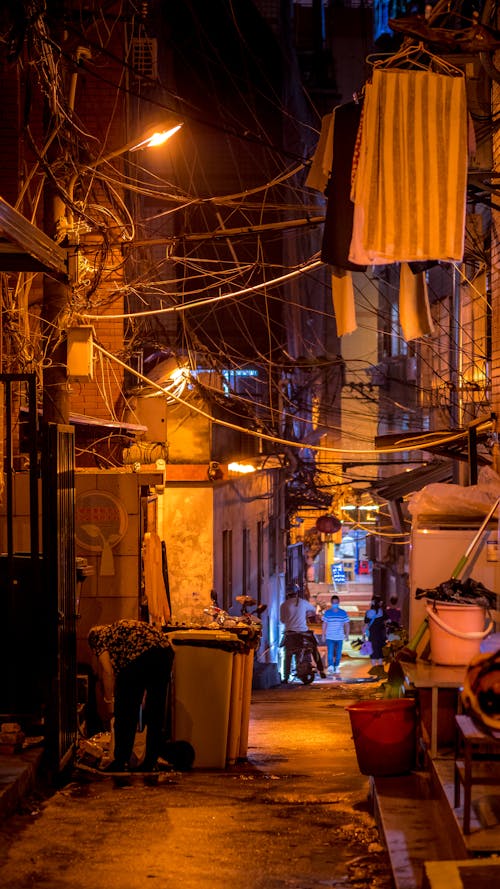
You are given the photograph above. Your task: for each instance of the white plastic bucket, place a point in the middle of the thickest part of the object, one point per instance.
(455, 631)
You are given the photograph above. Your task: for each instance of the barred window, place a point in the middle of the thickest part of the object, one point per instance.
(144, 57)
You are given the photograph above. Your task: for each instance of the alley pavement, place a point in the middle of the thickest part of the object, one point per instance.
(296, 813)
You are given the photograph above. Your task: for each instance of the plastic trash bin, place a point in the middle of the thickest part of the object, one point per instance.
(201, 685)
(235, 709)
(241, 690)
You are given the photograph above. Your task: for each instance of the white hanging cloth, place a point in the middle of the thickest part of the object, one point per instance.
(409, 184)
(344, 305)
(415, 315)
(154, 583)
(322, 159)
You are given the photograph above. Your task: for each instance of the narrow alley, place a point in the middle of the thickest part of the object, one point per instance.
(296, 814)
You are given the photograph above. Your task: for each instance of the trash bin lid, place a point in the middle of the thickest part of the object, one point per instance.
(206, 639)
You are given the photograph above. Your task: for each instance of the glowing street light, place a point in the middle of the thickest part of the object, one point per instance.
(155, 135)
(59, 218)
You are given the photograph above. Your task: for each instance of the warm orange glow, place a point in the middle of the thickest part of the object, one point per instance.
(241, 467)
(157, 138)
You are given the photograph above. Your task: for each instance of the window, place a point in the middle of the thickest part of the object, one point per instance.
(272, 548)
(245, 563)
(144, 57)
(260, 560)
(243, 381)
(227, 569)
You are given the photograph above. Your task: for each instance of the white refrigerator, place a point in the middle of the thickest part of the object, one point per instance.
(435, 548)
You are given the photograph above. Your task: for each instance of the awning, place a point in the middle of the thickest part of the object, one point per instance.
(116, 425)
(99, 422)
(26, 248)
(398, 486)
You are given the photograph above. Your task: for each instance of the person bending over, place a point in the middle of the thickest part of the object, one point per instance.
(134, 658)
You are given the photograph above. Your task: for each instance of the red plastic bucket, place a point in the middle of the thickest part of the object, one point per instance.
(384, 734)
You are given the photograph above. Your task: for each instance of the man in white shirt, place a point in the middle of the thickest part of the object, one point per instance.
(293, 614)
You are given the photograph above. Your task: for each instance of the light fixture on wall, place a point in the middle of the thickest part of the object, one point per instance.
(241, 468)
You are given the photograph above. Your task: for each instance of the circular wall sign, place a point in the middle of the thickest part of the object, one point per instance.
(101, 520)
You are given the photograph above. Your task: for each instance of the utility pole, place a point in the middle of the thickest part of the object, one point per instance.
(54, 311)
(55, 293)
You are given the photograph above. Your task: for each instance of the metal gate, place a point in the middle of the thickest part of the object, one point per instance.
(21, 601)
(58, 495)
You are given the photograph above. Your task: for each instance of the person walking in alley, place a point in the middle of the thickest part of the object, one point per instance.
(375, 631)
(393, 613)
(134, 658)
(293, 614)
(335, 623)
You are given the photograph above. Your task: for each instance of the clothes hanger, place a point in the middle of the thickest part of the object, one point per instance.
(413, 54)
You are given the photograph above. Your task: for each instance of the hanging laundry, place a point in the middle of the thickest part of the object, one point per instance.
(343, 301)
(321, 163)
(414, 310)
(154, 582)
(337, 230)
(409, 189)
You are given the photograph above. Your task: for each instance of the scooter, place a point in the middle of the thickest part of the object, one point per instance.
(300, 646)
(223, 619)
(246, 602)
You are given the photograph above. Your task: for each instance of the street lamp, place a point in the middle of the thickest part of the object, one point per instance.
(155, 135)
(152, 137)
(55, 297)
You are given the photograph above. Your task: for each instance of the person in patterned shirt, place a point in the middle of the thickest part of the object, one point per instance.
(134, 658)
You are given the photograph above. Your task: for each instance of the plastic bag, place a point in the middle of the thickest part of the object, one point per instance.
(445, 499)
(366, 648)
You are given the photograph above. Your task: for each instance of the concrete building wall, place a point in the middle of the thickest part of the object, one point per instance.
(186, 525)
(253, 503)
(109, 528)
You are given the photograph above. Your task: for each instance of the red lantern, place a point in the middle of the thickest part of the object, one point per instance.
(328, 524)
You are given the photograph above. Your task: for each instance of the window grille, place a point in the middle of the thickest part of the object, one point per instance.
(145, 57)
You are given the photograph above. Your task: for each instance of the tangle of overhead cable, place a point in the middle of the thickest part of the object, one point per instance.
(245, 136)
(425, 444)
(181, 307)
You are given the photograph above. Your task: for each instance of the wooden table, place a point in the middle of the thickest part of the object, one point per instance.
(435, 677)
(475, 755)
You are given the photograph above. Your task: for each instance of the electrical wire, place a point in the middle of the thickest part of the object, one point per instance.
(416, 445)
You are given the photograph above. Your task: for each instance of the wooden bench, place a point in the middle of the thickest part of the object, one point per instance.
(477, 761)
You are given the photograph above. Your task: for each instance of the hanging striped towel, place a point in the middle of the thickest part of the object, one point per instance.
(344, 304)
(321, 163)
(409, 188)
(415, 315)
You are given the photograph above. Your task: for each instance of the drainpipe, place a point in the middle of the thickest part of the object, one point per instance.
(456, 413)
